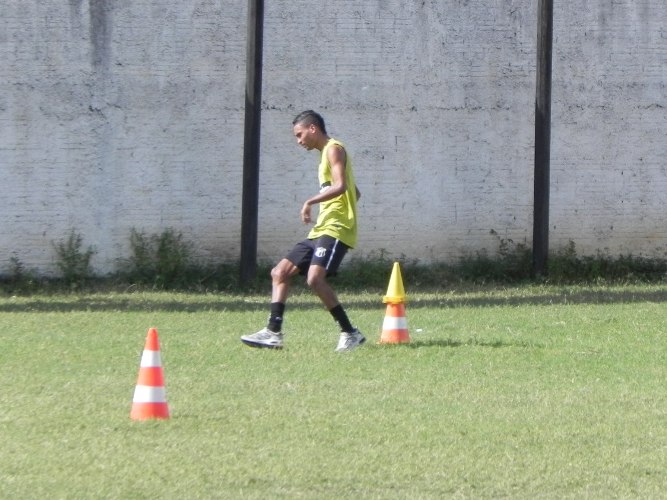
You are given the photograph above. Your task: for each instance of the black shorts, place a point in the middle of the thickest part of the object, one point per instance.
(325, 251)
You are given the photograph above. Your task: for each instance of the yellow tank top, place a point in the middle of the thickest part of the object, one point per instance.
(338, 216)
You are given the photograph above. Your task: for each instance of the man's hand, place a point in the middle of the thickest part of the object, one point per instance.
(305, 213)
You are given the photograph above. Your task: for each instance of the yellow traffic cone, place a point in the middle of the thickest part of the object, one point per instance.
(395, 291)
(395, 324)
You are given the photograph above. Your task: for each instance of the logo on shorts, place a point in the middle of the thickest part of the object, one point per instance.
(320, 252)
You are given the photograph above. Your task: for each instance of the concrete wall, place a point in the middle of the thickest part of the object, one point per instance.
(609, 156)
(117, 115)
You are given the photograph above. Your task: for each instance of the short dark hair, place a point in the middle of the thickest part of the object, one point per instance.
(310, 117)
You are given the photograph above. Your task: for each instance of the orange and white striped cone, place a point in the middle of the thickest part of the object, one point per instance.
(395, 324)
(150, 399)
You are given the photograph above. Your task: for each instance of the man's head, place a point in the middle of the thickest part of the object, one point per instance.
(310, 117)
(309, 130)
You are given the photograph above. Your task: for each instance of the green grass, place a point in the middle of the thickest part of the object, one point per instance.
(549, 392)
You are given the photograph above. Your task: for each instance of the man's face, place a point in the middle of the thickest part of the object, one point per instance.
(305, 135)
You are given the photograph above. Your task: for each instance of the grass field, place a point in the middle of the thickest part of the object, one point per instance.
(525, 392)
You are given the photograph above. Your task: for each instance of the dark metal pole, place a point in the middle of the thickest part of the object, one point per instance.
(542, 138)
(253, 113)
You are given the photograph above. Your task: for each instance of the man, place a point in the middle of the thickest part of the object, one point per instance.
(335, 231)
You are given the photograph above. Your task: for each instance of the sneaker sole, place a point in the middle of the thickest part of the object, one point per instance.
(250, 343)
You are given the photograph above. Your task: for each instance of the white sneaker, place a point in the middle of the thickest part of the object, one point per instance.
(349, 341)
(264, 338)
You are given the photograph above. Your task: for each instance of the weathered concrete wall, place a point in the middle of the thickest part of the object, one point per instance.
(609, 154)
(117, 115)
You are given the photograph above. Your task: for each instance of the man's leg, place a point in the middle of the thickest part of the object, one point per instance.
(281, 276)
(271, 336)
(350, 336)
(317, 281)
(280, 279)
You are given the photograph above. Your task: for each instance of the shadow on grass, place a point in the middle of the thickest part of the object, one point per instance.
(452, 343)
(563, 298)
(222, 302)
